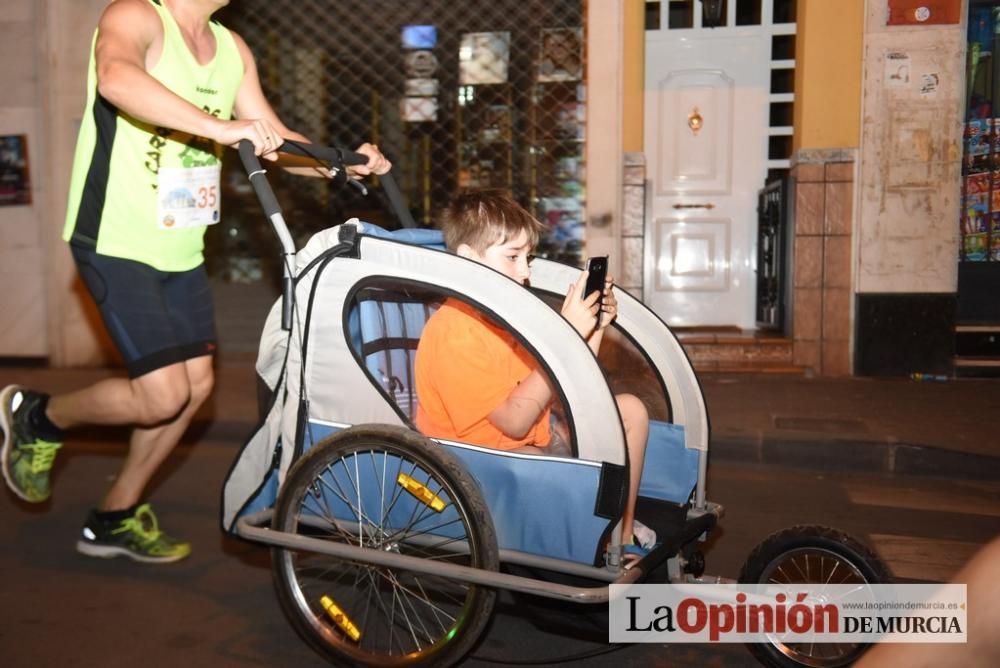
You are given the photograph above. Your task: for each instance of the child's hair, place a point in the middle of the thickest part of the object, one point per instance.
(484, 218)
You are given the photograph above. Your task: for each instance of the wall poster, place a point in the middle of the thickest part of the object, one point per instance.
(15, 181)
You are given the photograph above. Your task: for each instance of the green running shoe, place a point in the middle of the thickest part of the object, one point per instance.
(27, 458)
(137, 537)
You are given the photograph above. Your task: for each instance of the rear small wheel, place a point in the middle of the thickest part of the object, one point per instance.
(384, 488)
(814, 555)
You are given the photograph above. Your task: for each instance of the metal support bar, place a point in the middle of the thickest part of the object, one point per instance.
(249, 527)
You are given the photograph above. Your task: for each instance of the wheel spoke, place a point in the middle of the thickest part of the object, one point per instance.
(338, 497)
(796, 564)
(836, 565)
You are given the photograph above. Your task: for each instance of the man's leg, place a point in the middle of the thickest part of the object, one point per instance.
(159, 402)
(148, 400)
(121, 526)
(150, 445)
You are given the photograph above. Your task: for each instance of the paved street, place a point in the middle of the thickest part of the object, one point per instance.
(218, 607)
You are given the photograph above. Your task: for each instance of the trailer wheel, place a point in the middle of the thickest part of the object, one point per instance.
(810, 554)
(389, 489)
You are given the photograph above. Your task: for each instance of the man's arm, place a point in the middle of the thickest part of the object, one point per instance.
(126, 31)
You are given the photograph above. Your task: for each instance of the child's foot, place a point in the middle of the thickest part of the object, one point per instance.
(642, 535)
(642, 542)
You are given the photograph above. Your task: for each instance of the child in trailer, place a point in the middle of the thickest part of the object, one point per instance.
(478, 385)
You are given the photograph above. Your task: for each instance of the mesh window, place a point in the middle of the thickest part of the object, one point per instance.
(458, 94)
(384, 326)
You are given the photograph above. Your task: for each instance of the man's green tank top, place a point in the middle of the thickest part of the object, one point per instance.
(116, 203)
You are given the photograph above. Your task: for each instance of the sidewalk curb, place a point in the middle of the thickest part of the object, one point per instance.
(846, 455)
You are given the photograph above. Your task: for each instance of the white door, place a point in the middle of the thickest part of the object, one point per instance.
(706, 134)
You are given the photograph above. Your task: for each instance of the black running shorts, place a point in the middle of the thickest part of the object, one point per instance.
(156, 318)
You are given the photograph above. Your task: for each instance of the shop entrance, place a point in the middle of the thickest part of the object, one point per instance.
(978, 323)
(709, 142)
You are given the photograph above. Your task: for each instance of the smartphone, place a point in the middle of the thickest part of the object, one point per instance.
(597, 273)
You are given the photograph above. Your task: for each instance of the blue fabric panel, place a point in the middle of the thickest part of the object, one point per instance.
(417, 237)
(670, 470)
(538, 505)
(266, 497)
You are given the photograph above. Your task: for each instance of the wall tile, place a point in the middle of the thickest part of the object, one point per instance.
(808, 172)
(633, 211)
(836, 358)
(836, 314)
(839, 171)
(634, 175)
(808, 272)
(631, 263)
(836, 262)
(806, 354)
(838, 208)
(808, 310)
(809, 208)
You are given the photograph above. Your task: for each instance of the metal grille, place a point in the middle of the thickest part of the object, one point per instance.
(773, 260)
(475, 93)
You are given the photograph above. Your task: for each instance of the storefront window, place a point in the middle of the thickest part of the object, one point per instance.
(980, 215)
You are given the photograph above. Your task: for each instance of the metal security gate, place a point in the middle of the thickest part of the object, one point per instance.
(468, 94)
(773, 257)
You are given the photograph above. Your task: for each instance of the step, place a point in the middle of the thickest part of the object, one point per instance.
(976, 367)
(976, 362)
(977, 349)
(752, 366)
(731, 350)
(978, 327)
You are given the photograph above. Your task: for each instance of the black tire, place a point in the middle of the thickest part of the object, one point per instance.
(811, 554)
(404, 618)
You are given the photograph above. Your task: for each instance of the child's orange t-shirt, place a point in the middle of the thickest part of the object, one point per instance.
(465, 367)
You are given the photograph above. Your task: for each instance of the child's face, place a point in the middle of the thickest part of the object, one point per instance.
(510, 258)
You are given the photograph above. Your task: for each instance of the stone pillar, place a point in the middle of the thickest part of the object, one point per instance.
(823, 183)
(909, 196)
(633, 223)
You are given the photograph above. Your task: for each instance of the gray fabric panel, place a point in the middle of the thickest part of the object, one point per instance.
(252, 466)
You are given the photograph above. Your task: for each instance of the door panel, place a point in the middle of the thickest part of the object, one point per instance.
(706, 147)
(694, 162)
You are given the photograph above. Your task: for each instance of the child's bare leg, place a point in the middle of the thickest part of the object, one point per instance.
(635, 419)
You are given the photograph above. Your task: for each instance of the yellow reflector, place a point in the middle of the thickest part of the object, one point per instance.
(421, 492)
(339, 618)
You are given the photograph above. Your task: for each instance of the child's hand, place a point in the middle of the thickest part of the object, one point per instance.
(609, 305)
(580, 313)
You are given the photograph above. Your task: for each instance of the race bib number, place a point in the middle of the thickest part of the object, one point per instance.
(188, 196)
